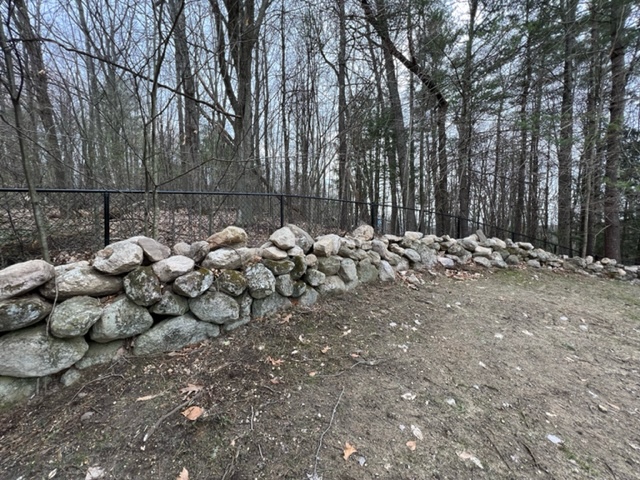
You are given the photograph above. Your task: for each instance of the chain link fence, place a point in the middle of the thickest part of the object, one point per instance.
(80, 222)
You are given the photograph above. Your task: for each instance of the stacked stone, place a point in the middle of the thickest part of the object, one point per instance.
(167, 298)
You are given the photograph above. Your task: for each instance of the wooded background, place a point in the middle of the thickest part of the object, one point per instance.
(520, 114)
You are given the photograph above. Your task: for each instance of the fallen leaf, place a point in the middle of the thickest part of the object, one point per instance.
(286, 319)
(355, 355)
(192, 413)
(184, 475)
(313, 374)
(148, 397)
(408, 396)
(191, 388)
(468, 456)
(345, 333)
(275, 380)
(348, 450)
(53, 473)
(417, 432)
(412, 445)
(273, 361)
(326, 349)
(93, 473)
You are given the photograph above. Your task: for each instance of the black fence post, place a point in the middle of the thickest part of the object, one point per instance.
(106, 213)
(281, 210)
(374, 215)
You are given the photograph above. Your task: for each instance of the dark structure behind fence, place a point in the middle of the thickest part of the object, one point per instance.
(79, 222)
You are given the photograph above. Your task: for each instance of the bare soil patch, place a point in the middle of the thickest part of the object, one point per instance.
(508, 374)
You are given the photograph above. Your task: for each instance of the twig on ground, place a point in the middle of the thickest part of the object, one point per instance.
(610, 470)
(368, 363)
(260, 451)
(167, 415)
(251, 418)
(314, 475)
(489, 435)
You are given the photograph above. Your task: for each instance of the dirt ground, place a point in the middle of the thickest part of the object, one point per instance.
(507, 374)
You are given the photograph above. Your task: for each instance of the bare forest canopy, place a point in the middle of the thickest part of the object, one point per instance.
(520, 114)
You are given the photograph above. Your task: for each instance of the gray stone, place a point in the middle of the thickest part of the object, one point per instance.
(215, 307)
(78, 279)
(260, 281)
(230, 236)
(299, 268)
(142, 286)
(24, 277)
(100, 354)
(512, 260)
(575, 263)
(273, 253)
(397, 249)
(469, 243)
(525, 245)
(31, 352)
(386, 273)
(327, 245)
(232, 282)
(16, 390)
(198, 251)
(412, 255)
(71, 377)
(380, 248)
(153, 250)
(481, 236)
(74, 317)
(329, 265)
(228, 258)
(333, 284)
(182, 248)
(392, 238)
(394, 259)
(295, 252)
(171, 268)
(303, 239)
(481, 251)
(375, 257)
(283, 238)
(533, 263)
(244, 303)
(170, 304)
(314, 277)
(484, 261)
(173, 334)
(364, 232)
(193, 283)
(446, 262)
(367, 272)
(308, 298)
(311, 260)
(348, 271)
(298, 288)
(284, 285)
(402, 265)
(16, 313)
(428, 256)
(271, 304)
(119, 257)
(121, 319)
(279, 267)
(413, 236)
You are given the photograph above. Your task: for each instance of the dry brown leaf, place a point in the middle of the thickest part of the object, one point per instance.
(326, 349)
(148, 397)
(412, 445)
(354, 355)
(193, 413)
(275, 380)
(184, 475)
(191, 388)
(313, 374)
(348, 450)
(286, 318)
(274, 362)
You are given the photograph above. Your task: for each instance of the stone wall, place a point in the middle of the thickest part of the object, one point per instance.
(57, 321)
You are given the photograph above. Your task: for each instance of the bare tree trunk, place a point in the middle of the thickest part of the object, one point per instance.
(343, 171)
(14, 92)
(566, 130)
(38, 72)
(619, 12)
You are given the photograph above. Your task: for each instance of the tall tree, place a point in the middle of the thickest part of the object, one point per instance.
(619, 10)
